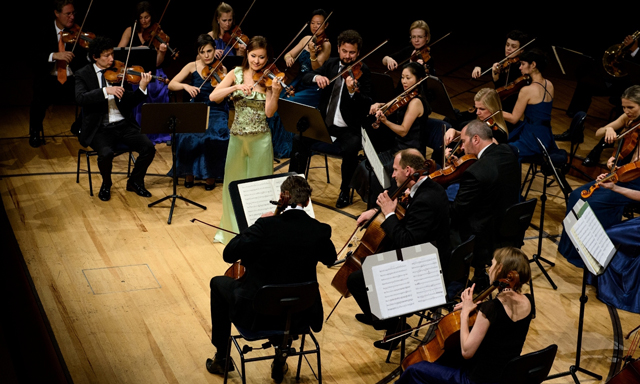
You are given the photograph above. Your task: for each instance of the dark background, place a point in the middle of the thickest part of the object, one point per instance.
(477, 31)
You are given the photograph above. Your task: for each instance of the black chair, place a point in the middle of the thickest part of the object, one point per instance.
(576, 137)
(276, 301)
(531, 368)
(432, 136)
(120, 149)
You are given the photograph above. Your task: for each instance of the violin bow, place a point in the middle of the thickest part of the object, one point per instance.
(428, 46)
(509, 56)
(265, 72)
(314, 35)
(238, 26)
(359, 60)
(161, 17)
(404, 93)
(81, 26)
(126, 63)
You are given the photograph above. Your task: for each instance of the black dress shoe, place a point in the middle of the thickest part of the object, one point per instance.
(189, 184)
(139, 189)
(105, 192)
(209, 187)
(343, 200)
(393, 344)
(589, 162)
(217, 365)
(564, 136)
(278, 370)
(34, 140)
(364, 319)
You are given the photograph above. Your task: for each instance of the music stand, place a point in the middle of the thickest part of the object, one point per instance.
(383, 88)
(304, 120)
(230, 62)
(142, 56)
(175, 118)
(438, 98)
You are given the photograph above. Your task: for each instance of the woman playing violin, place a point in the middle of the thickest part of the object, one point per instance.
(420, 35)
(534, 102)
(486, 103)
(607, 205)
(157, 91)
(223, 21)
(499, 332)
(250, 151)
(202, 155)
(311, 54)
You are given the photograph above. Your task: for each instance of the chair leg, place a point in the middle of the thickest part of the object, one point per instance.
(300, 357)
(131, 158)
(78, 170)
(306, 170)
(89, 174)
(326, 167)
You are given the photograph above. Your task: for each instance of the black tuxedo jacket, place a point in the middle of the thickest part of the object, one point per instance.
(426, 220)
(283, 249)
(90, 97)
(41, 60)
(487, 188)
(353, 108)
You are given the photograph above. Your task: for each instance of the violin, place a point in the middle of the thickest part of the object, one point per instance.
(355, 72)
(213, 72)
(448, 332)
(236, 35)
(76, 35)
(133, 74)
(156, 36)
(626, 173)
(508, 62)
(423, 54)
(396, 104)
(270, 73)
(513, 87)
(453, 171)
(319, 40)
(236, 270)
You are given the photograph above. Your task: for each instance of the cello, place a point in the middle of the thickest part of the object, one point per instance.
(630, 372)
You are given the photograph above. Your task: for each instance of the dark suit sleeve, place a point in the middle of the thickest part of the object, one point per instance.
(327, 251)
(86, 94)
(307, 79)
(467, 198)
(405, 233)
(245, 246)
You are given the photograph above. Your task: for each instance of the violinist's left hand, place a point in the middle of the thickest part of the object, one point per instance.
(381, 117)
(241, 50)
(162, 48)
(276, 87)
(145, 79)
(610, 162)
(351, 84)
(385, 203)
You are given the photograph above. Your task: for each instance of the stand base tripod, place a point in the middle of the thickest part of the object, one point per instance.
(173, 198)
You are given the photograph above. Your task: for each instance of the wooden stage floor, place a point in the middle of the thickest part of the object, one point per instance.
(127, 294)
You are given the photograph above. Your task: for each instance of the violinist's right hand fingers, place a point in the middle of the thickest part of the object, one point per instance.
(476, 72)
(610, 162)
(66, 56)
(193, 91)
(115, 91)
(392, 64)
(322, 81)
(449, 136)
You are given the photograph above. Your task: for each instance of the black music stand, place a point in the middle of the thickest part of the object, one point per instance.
(383, 88)
(175, 118)
(438, 98)
(303, 120)
(142, 56)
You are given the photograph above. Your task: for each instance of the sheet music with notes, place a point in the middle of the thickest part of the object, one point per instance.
(374, 160)
(256, 197)
(589, 238)
(404, 281)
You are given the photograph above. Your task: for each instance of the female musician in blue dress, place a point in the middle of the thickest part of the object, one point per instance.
(223, 21)
(307, 55)
(202, 155)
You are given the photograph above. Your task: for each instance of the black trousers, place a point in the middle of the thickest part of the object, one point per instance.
(106, 141)
(46, 91)
(348, 143)
(222, 300)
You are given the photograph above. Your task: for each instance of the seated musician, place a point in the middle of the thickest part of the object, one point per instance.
(488, 105)
(607, 205)
(342, 108)
(108, 118)
(224, 23)
(487, 188)
(267, 261)
(420, 35)
(499, 332)
(425, 220)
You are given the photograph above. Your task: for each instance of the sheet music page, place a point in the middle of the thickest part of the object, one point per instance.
(374, 160)
(256, 197)
(408, 286)
(593, 236)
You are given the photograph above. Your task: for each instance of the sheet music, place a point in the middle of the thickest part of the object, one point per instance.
(408, 286)
(374, 160)
(256, 198)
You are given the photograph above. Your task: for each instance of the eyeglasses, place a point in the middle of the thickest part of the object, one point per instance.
(69, 14)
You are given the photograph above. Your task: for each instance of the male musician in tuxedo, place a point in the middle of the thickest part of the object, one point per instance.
(426, 220)
(282, 249)
(55, 68)
(343, 104)
(107, 118)
(487, 188)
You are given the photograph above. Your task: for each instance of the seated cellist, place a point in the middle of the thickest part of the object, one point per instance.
(497, 336)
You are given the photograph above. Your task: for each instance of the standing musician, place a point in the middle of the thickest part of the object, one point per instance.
(309, 56)
(223, 21)
(426, 220)
(487, 188)
(157, 92)
(499, 332)
(56, 65)
(267, 261)
(250, 152)
(508, 71)
(608, 206)
(343, 103)
(420, 35)
(107, 118)
(202, 155)
(406, 123)
(535, 103)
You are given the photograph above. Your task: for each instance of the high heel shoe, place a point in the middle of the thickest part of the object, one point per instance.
(210, 184)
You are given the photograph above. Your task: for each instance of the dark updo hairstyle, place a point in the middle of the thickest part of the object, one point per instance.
(420, 73)
(518, 36)
(535, 55)
(204, 40)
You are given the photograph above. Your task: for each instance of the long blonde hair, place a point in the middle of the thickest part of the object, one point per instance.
(489, 97)
(215, 27)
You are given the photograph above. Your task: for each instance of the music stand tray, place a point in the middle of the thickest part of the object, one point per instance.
(304, 120)
(174, 118)
(438, 97)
